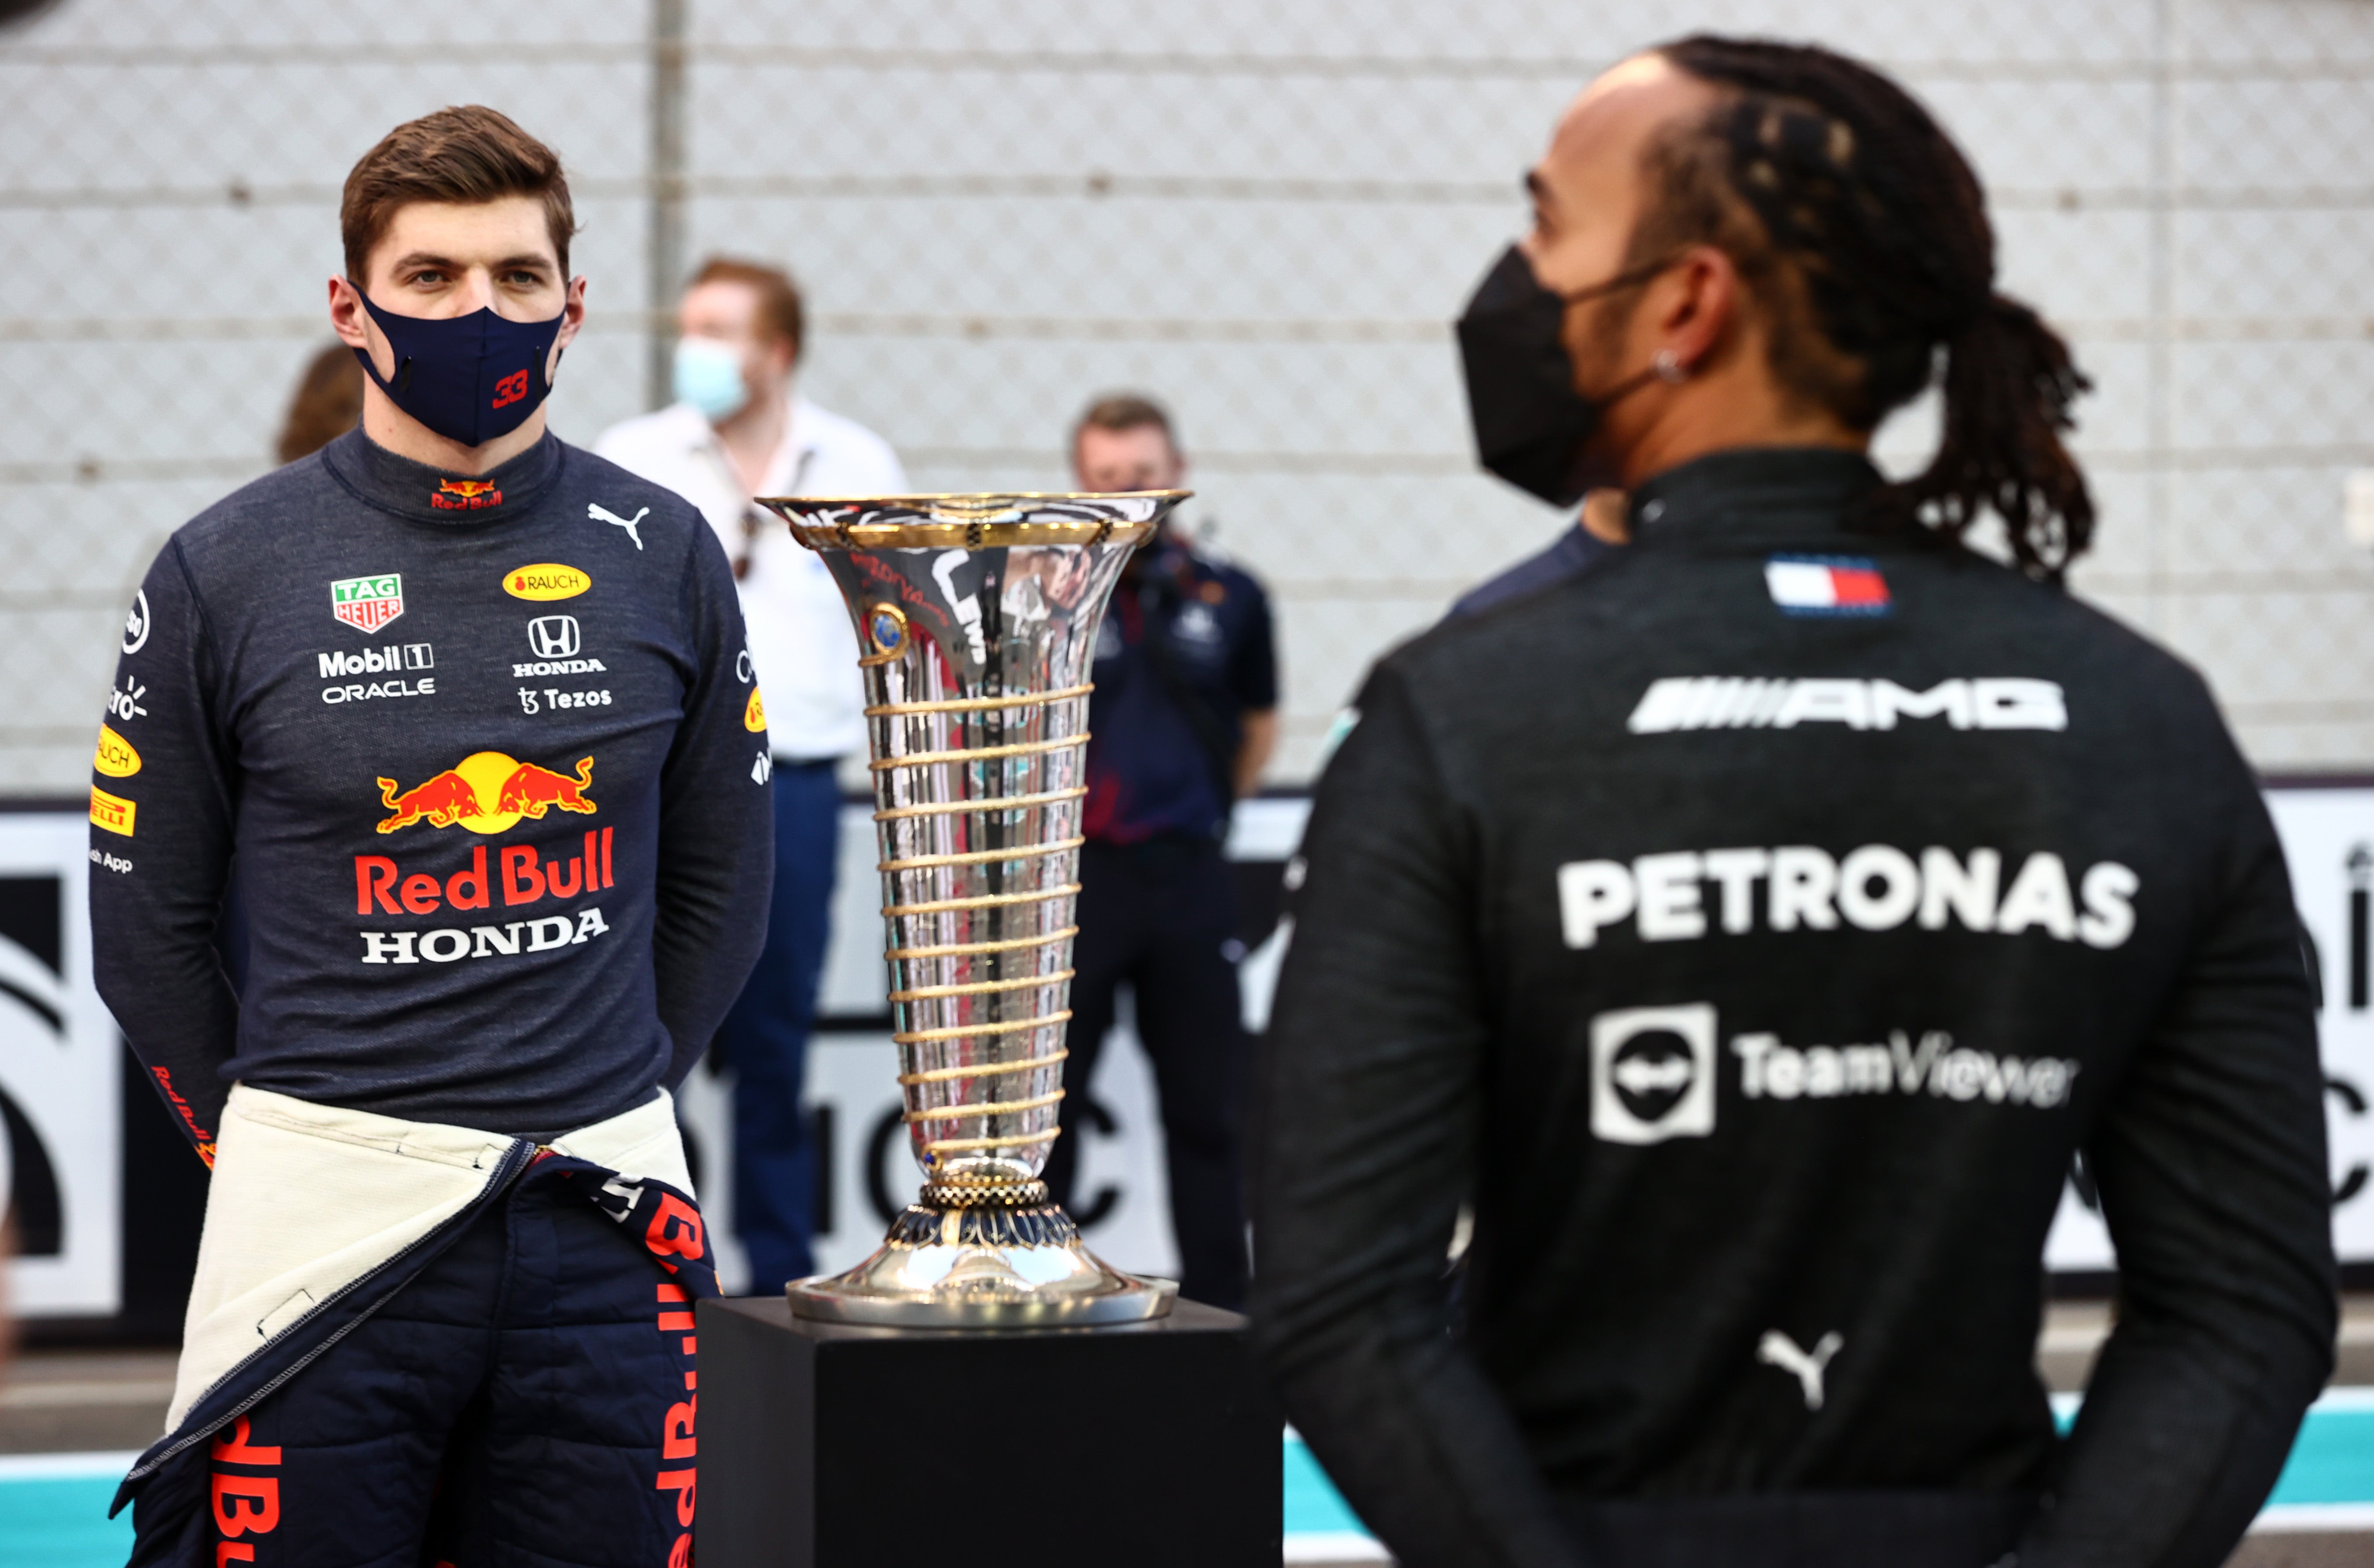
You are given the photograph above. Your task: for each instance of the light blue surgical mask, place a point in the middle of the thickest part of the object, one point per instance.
(709, 376)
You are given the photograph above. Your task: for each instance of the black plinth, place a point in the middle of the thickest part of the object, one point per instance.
(829, 1447)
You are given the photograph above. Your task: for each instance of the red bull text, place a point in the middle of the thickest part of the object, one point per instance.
(484, 793)
(465, 495)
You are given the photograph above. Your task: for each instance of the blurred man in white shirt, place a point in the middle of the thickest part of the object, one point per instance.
(737, 429)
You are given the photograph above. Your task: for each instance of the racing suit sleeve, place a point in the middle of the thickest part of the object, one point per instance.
(2211, 1163)
(1369, 1105)
(160, 846)
(717, 820)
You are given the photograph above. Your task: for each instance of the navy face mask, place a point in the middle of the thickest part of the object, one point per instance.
(472, 378)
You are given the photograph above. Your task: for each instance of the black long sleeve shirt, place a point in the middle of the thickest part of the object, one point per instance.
(489, 758)
(1752, 930)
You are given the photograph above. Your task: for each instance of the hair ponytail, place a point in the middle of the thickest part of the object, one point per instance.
(2008, 384)
(1864, 202)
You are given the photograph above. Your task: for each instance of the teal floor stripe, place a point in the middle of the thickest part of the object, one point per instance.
(49, 1520)
(61, 1522)
(1313, 1507)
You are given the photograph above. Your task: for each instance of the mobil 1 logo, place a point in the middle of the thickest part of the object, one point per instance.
(1653, 1073)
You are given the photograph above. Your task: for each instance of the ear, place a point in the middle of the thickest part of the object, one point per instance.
(572, 314)
(572, 322)
(1694, 304)
(355, 328)
(348, 318)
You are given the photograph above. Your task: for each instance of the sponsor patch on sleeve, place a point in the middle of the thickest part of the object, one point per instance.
(115, 756)
(112, 811)
(1826, 584)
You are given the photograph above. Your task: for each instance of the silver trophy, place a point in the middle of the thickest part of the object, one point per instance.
(977, 619)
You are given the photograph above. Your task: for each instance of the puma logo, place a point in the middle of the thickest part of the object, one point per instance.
(1778, 1350)
(604, 514)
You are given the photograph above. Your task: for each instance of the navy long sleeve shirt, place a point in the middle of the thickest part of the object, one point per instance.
(490, 760)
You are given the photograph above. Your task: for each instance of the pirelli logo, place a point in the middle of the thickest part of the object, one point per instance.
(112, 811)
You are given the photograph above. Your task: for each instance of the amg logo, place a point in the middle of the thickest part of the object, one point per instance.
(377, 661)
(1823, 1072)
(558, 667)
(1726, 701)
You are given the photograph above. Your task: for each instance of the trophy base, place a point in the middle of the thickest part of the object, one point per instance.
(982, 1257)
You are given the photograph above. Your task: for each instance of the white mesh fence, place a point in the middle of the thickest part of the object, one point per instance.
(1265, 214)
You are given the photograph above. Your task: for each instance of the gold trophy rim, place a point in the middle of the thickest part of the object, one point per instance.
(967, 519)
(865, 500)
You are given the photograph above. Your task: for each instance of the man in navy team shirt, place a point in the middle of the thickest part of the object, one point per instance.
(1183, 719)
(473, 711)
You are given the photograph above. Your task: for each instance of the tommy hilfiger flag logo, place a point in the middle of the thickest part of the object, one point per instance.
(368, 602)
(1826, 584)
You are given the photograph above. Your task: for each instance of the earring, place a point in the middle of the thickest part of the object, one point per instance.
(1669, 366)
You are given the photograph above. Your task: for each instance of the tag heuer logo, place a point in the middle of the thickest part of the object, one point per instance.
(368, 602)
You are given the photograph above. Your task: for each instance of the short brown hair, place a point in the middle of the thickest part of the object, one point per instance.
(1118, 411)
(780, 313)
(463, 155)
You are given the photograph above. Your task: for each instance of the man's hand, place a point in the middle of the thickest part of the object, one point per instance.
(1252, 753)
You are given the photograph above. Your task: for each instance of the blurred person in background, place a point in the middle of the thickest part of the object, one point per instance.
(1753, 928)
(737, 431)
(499, 900)
(328, 403)
(1597, 532)
(1182, 721)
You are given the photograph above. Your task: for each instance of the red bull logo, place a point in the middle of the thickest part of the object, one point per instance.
(466, 495)
(487, 792)
(523, 875)
(531, 790)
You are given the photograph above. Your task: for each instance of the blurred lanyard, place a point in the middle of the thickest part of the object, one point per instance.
(753, 516)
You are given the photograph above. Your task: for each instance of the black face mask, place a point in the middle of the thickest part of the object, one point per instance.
(1530, 422)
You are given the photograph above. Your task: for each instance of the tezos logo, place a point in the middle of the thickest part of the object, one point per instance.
(553, 636)
(1653, 1073)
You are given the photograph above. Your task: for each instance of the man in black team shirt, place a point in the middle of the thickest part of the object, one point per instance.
(466, 712)
(1753, 928)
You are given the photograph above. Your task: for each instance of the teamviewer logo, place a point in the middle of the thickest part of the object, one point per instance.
(1652, 1074)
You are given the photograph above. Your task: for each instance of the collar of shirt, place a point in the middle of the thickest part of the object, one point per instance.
(423, 494)
(790, 459)
(1749, 494)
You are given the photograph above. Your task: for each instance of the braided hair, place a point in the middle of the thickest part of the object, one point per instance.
(1859, 225)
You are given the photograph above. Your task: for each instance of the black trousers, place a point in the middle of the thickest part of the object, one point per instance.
(1803, 1529)
(1162, 916)
(528, 1400)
